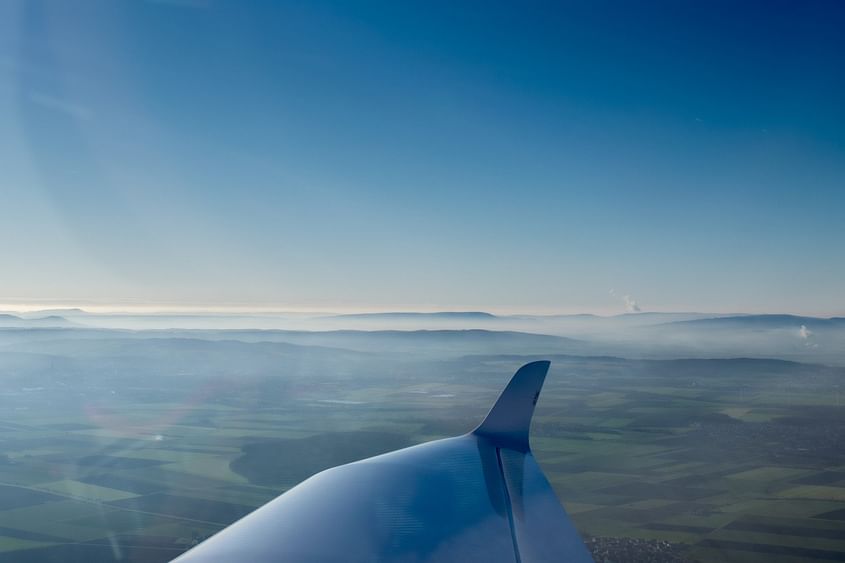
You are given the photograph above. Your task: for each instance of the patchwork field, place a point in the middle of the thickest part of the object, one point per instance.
(729, 460)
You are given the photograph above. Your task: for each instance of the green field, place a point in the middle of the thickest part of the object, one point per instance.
(730, 460)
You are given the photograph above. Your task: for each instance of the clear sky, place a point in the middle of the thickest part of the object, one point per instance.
(421, 155)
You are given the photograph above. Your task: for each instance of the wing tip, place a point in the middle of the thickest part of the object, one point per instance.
(509, 420)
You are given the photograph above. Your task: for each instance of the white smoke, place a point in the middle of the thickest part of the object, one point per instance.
(806, 334)
(631, 305)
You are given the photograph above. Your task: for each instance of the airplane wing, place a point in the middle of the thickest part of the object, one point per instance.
(477, 497)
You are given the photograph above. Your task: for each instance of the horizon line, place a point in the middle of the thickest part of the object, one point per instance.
(269, 310)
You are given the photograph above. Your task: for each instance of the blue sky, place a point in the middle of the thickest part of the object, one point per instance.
(423, 155)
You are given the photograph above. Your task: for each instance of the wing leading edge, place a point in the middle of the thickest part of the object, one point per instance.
(480, 496)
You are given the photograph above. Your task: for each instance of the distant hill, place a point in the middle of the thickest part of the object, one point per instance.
(444, 342)
(737, 368)
(14, 321)
(439, 315)
(428, 342)
(765, 322)
(73, 311)
(634, 318)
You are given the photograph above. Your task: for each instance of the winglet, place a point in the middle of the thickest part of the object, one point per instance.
(507, 423)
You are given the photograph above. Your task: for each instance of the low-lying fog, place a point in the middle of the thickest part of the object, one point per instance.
(635, 335)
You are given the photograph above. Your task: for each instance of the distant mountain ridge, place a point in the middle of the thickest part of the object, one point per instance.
(60, 312)
(8, 320)
(765, 321)
(410, 315)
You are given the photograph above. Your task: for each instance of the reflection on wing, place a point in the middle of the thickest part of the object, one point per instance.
(480, 497)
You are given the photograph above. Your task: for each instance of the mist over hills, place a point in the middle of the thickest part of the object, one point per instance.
(9, 320)
(429, 341)
(69, 357)
(632, 335)
(435, 343)
(766, 321)
(559, 324)
(639, 318)
(450, 315)
(61, 312)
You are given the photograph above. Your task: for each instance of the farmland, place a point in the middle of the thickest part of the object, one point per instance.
(139, 451)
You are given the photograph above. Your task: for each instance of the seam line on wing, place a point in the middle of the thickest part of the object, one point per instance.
(508, 506)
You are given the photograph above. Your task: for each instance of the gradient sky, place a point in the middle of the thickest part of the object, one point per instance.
(421, 155)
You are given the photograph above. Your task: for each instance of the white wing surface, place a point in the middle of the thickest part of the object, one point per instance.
(477, 497)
